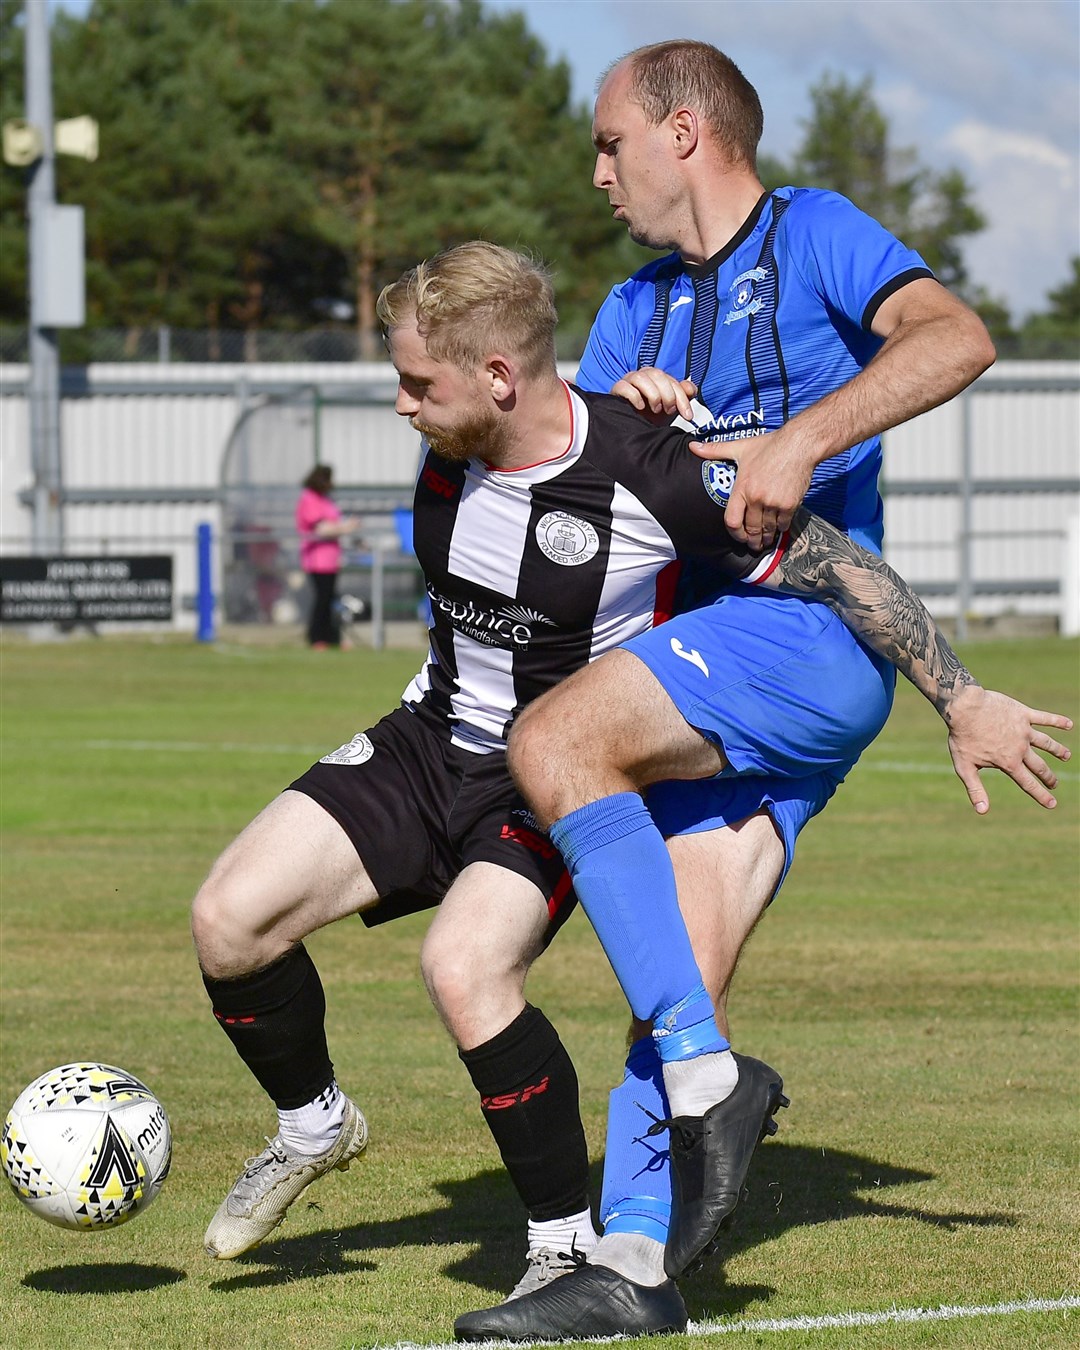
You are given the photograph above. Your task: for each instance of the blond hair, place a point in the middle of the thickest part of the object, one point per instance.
(684, 72)
(476, 299)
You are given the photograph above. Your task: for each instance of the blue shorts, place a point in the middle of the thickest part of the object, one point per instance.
(790, 695)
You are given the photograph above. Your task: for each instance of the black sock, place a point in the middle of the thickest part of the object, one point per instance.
(529, 1095)
(275, 1019)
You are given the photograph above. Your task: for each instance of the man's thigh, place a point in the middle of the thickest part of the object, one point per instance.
(291, 871)
(780, 684)
(420, 812)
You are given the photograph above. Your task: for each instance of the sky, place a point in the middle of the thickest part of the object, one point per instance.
(991, 87)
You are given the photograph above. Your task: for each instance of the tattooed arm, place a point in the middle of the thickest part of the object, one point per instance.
(986, 729)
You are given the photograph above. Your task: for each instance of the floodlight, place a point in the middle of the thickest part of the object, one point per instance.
(23, 143)
(77, 136)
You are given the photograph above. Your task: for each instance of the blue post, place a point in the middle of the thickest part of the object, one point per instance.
(205, 596)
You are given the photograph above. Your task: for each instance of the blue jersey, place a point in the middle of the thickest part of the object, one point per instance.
(771, 324)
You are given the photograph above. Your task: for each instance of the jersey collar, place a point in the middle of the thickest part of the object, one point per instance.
(551, 468)
(698, 271)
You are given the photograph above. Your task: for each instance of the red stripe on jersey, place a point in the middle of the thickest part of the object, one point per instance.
(773, 562)
(667, 579)
(520, 468)
(558, 896)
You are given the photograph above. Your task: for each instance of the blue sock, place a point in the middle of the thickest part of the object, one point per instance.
(636, 1196)
(623, 877)
(688, 1029)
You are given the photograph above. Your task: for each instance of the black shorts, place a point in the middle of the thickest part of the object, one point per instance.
(418, 810)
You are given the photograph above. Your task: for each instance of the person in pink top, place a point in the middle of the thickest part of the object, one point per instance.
(321, 527)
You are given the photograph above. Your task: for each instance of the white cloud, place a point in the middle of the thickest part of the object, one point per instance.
(983, 144)
(990, 87)
(1026, 253)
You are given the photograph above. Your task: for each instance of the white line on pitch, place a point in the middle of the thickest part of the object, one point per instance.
(946, 1313)
(204, 747)
(896, 766)
(244, 747)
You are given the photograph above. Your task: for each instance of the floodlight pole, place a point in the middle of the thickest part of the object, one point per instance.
(44, 353)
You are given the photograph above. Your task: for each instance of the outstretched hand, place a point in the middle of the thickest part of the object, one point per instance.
(988, 730)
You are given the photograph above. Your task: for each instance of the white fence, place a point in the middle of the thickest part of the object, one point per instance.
(979, 494)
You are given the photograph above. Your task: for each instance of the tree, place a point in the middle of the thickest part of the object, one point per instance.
(846, 148)
(445, 123)
(191, 198)
(1055, 333)
(258, 159)
(995, 315)
(13, 260)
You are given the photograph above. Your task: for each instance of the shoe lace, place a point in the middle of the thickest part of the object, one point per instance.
(256, 1173)
(548, 1261)
(658, 1126)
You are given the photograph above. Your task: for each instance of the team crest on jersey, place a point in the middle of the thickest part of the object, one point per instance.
(567, 540)
(358, 751)
(718, 475)
(741, 291)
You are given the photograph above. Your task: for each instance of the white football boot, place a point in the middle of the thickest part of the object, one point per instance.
(270, 1183)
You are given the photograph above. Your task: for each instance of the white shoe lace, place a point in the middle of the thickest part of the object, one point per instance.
(544, 1264)
(259, 1172)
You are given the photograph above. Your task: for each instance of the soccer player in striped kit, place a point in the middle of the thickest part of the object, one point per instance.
(545, 520)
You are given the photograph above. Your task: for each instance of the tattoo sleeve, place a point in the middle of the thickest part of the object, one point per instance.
(873, 601)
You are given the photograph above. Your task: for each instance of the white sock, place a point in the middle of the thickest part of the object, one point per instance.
(562, 1235)
(694, 1085)
(632, 1255)
(313, 1128)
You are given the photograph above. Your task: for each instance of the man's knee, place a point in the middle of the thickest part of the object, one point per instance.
(445, 974)
(459, 979)
(541, 742)
(228, 940)
(565, 750)
(475, 973)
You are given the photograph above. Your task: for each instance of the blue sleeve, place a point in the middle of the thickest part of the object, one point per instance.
(611, 351)
(846, 258)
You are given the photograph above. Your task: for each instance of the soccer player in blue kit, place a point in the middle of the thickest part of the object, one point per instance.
(545, 518)
(791, 330)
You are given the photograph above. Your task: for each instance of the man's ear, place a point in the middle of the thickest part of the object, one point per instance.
(685, 130)
(502, 374)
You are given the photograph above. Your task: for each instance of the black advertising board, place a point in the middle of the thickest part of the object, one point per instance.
(105, 589)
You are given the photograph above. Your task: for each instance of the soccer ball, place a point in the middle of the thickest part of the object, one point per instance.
(86, 1146)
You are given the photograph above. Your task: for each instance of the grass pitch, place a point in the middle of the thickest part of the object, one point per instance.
(915, 983)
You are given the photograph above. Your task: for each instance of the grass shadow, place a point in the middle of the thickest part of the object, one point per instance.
(790, 1186)
(483, 1211)
(110, 1278)
(795, 1186)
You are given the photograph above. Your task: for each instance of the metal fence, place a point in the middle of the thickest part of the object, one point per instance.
(980, 494)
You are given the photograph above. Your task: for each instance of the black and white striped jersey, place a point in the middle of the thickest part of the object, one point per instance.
(533, 572)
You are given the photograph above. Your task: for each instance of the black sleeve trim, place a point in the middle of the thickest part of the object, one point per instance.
(890, 288)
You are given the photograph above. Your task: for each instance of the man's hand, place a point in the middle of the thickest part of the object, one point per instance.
(657, 394)
(773, 478)
(988, 730)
